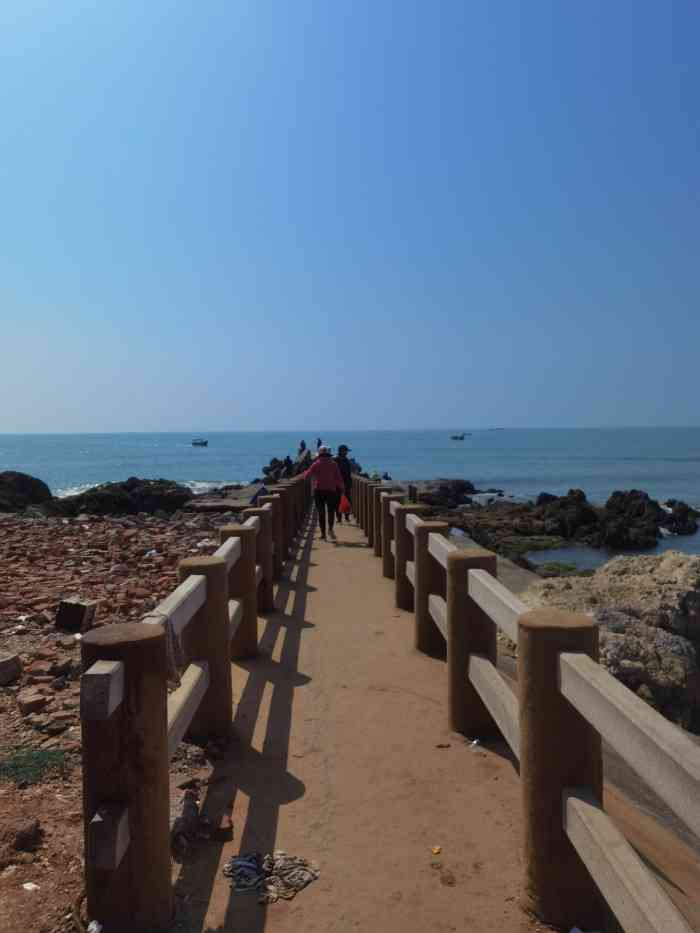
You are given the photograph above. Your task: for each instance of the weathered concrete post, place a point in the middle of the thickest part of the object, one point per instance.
(287, 533)
(377, 510)
(371, 487)
(125, 764)
(429, 578)
(558, 749)
(365, 509)
(242, 586)
(264, 557)
(206, 638)
(388, 532)
(469, 631)
(277, 536)
(404, 552)
(361, 502)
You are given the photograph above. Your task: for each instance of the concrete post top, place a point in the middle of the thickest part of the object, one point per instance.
(547, 619)
(432, 527)
(470, 555)
(127, 633)
(236, 531)
(196, 563)
(413, 507)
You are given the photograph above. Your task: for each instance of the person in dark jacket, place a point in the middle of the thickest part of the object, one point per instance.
(346, 473)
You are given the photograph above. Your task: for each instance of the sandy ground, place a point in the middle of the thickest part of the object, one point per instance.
(342, 755)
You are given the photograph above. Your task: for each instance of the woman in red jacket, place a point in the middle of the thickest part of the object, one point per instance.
(328, 486)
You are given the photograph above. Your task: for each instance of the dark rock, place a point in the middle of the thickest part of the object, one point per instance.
(630, 519)
(19, 490)
(682, 520)
(75, 615)
(568, 516)
(545, 498)
(128, 498)
(10, 669)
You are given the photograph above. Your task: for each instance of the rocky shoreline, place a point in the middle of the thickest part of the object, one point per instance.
(629, 519)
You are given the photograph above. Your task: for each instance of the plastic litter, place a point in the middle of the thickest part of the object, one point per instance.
(474, 743)
(94, 927)
(30, 886)
(436, 850)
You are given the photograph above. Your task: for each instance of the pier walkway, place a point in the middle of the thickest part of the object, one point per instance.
(342, 755)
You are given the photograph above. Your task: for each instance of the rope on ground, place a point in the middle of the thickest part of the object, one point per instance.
(271, 876)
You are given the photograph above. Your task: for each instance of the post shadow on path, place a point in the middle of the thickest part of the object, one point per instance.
(262, 776)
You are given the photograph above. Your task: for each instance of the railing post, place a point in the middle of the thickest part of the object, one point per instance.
(206, 638)
(361, 502)
(286, 541)
(290, 512)
(388, 532)
(404, 552)
(558, 749)
(377, 511)
(125, 763)
(264, 557)
(242, 586)
(429, 578)
(365, 510)
(469, 631)
(371, 487)
(277, 536)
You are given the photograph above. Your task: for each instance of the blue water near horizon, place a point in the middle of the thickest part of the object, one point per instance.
(665, 462)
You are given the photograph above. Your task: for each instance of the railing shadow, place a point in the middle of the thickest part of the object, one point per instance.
(262, 776)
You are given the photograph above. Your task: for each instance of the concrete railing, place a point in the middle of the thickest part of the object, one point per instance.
(565, 705)
(131, 725)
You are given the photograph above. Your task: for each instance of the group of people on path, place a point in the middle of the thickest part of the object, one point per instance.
(332, 478)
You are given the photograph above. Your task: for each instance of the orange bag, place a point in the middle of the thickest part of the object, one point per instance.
(344, 508)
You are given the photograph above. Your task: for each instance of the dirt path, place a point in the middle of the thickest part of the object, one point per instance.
(342, 755)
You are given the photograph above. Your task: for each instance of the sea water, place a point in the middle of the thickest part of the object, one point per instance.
(524, 462)
(665, 462)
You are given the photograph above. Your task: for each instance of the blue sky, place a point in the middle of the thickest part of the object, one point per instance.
(357, 213)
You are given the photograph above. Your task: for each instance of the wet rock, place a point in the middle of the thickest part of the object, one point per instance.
(630, 519)
(569, 516)
(133, 497)
(19, 490)
(10, 669)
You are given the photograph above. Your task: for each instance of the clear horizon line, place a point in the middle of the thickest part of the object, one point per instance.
(302, 431)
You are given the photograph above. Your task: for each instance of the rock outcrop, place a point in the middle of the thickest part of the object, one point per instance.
(649, 612)
(447, 493)
(128, 498)
(19, 490)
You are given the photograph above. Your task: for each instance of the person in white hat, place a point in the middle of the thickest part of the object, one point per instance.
(328, 487)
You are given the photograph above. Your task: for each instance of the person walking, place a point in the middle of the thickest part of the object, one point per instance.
(346, 473)
(328, 487)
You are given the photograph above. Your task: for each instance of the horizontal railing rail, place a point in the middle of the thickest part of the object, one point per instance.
(565, 704)
(132, 726)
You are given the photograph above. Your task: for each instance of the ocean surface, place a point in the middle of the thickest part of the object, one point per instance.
(663, 461)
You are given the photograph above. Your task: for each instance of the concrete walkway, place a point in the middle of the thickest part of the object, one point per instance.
(342, 754)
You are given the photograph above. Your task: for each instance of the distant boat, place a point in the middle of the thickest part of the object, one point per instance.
(457, 437)
(199, 442)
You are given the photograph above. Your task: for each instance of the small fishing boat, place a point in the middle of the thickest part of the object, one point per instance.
(457, 437)
(200, 442)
